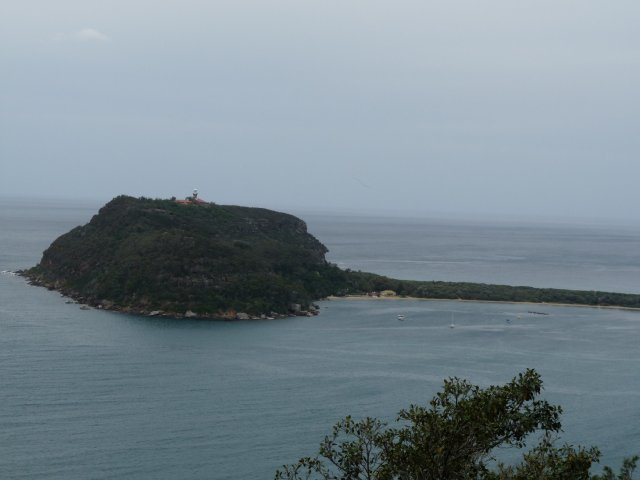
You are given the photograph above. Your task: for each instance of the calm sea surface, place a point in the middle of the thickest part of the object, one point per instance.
(92, 394)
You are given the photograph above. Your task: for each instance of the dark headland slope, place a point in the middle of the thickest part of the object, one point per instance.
(144, 255)
(201, 259)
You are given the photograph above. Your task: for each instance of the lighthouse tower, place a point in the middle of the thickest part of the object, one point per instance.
(192, 200)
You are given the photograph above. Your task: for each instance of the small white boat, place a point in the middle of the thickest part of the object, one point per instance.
(401, 317)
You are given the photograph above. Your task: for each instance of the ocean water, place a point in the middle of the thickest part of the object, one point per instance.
(583, 257)
(94, 394)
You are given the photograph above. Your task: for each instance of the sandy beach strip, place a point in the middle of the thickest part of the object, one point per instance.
(507, 302)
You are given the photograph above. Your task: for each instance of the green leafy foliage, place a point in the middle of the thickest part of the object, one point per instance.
(453, 438)
(147, 254)
(547, 461)
(368, 282)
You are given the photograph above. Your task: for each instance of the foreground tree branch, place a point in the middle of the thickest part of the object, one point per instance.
(453, 439)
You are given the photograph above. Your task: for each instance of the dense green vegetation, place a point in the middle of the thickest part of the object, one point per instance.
(489, 292)
(454, 438)
(143, 255)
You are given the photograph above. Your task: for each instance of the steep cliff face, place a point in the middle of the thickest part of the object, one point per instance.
(143, 255)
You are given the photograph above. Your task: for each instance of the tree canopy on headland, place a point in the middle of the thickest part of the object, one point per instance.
(144, 255)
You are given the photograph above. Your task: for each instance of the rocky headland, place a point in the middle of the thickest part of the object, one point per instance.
(193, 259)
(190, 259)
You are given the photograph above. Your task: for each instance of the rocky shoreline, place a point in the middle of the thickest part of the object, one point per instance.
(295, 310)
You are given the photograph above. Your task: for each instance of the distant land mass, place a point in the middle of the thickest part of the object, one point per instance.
(198, 259)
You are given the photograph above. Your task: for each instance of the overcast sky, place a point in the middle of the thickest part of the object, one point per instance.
(475, 107)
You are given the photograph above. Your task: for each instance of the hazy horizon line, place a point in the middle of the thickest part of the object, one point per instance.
(385, 213)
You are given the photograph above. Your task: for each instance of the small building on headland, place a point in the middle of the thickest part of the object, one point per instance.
(192, 200)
